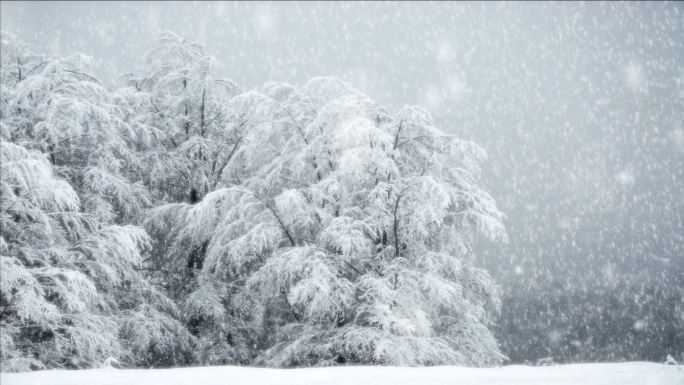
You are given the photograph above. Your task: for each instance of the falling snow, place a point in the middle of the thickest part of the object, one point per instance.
(578, 106)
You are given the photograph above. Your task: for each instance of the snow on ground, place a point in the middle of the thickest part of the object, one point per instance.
(631, 373)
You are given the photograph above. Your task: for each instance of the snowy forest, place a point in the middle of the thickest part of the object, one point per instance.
(178, 211)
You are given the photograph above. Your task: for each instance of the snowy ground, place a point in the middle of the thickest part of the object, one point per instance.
(631, 373)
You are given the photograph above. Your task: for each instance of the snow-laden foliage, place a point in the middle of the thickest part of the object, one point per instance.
(72, 293)
(278, 226)
(183, 105)
(347, 230)
(54, 105)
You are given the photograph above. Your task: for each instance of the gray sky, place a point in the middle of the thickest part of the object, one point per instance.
(579, 105)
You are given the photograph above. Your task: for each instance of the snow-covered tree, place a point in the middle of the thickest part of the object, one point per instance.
(346, 231)
(185, 104)
(71, 290)
(54, 105)
(186, 138)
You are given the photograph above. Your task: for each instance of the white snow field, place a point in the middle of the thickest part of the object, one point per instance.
(630, 373)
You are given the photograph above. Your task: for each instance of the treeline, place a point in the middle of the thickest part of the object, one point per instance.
(177, 219)
(634, 319)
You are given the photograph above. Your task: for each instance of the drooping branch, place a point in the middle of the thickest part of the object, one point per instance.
(275, 214)
(225, 162)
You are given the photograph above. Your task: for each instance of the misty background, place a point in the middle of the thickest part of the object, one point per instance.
(580, 107)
